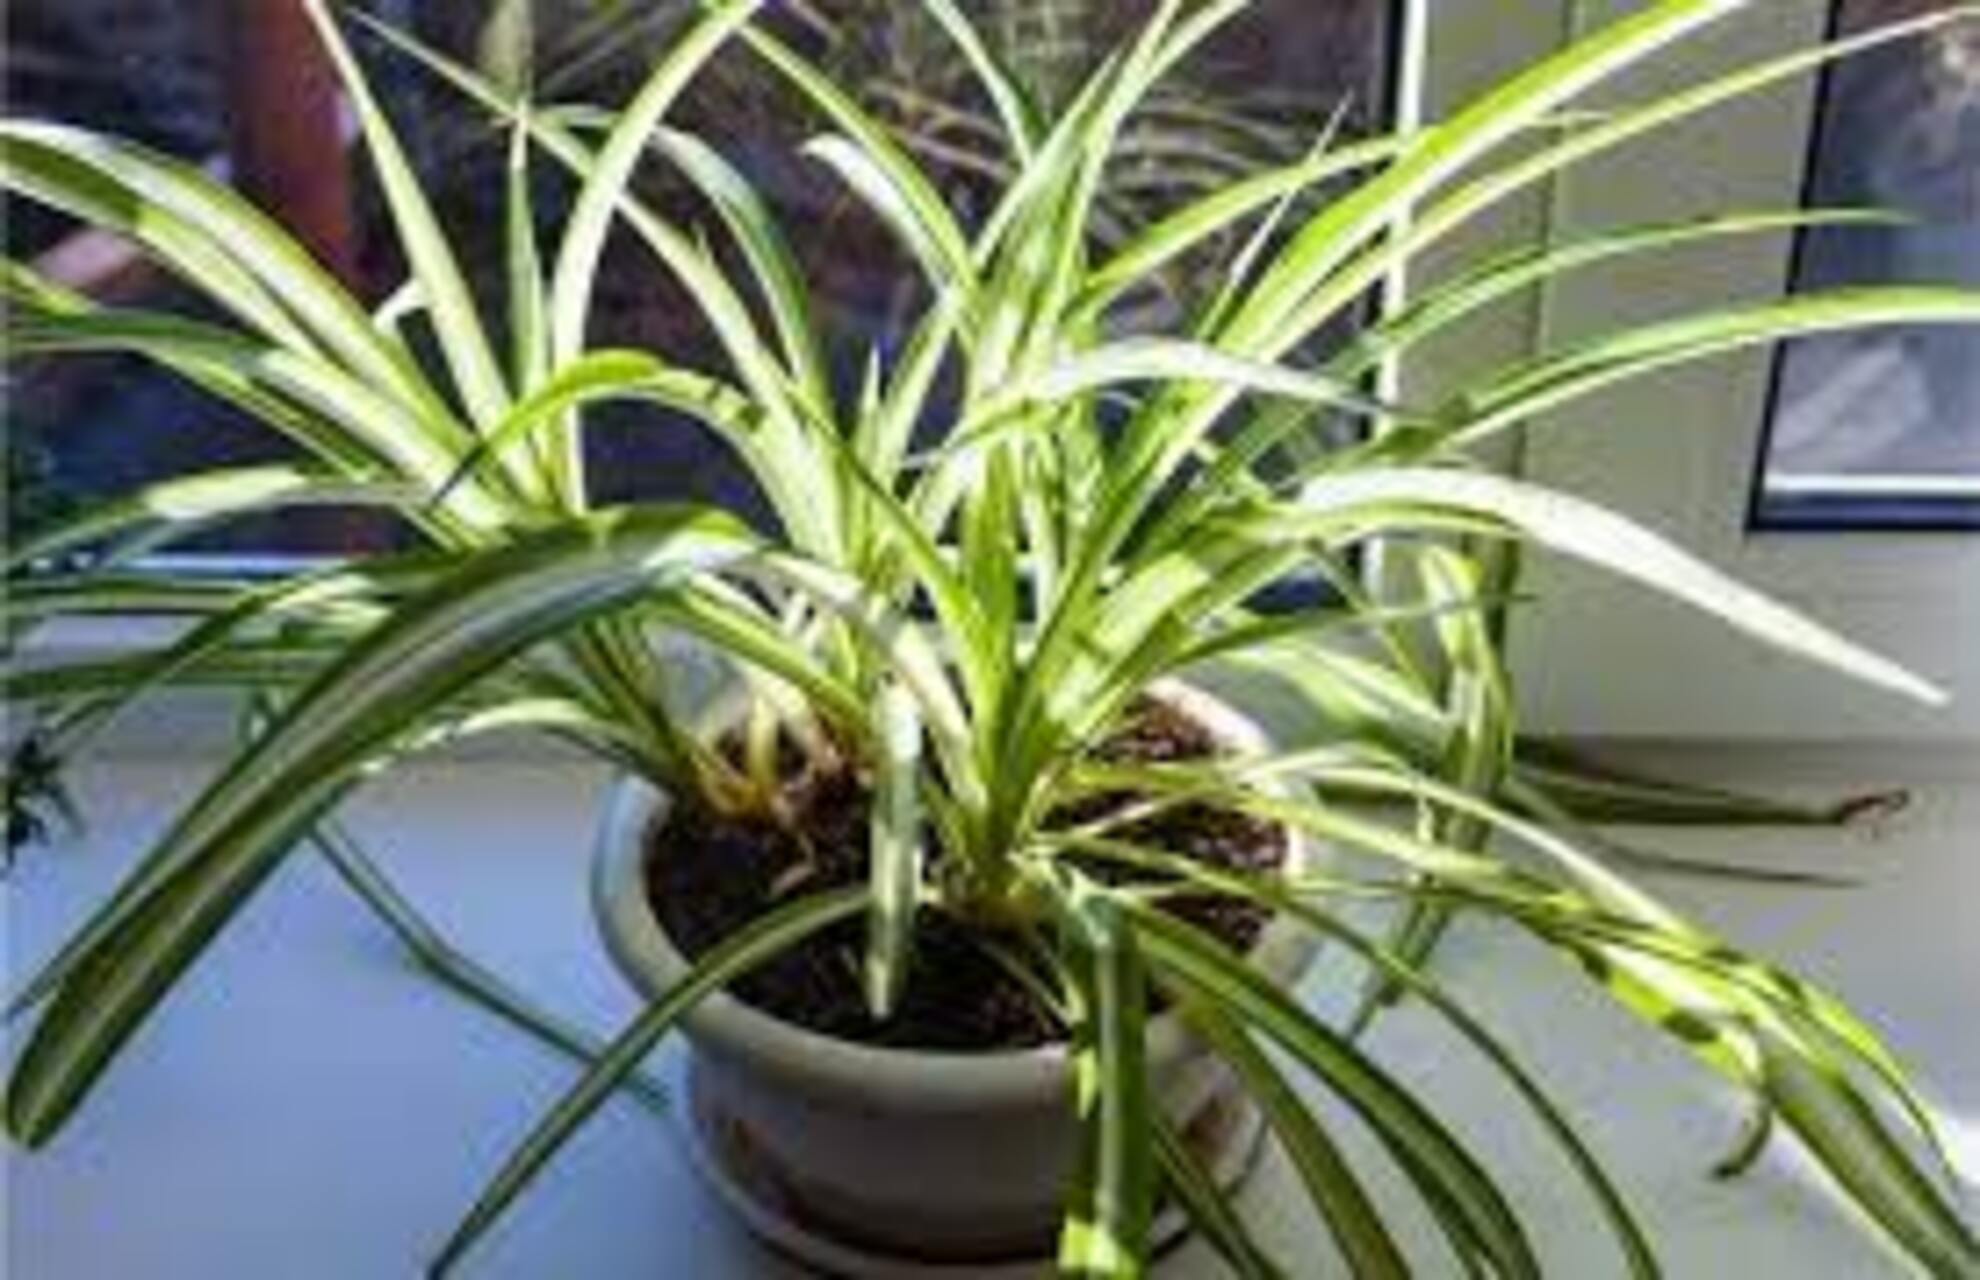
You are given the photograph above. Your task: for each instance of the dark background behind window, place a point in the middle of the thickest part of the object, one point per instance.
(160, 71)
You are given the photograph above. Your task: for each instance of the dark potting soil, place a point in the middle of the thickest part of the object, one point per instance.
(707, 876)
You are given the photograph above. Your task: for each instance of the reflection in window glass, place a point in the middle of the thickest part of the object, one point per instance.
(222, 85)
(1882, 428)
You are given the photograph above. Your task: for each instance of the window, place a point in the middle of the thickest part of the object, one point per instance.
(237, 86)
(1882, 429)
(1680, 452)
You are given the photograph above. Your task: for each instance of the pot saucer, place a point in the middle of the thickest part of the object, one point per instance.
(826, 1255)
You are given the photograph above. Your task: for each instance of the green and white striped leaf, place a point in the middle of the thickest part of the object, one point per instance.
(1190, 1185)
(1014, 108)
(227, 842)
(763, 938)
(885, 174)
(942, 255)
(1580, 529)
(611, 172)
(1170, 362)
(1112, 1198)
(464, 342)
(177, 508)
(368, 423)
(1454, 1183)
(1330, 1182)
(1824, 1108)
(779, 279)
(1555, 380)
(1322, 1175)
(895, 853)
(1197, 223)
(211, 238)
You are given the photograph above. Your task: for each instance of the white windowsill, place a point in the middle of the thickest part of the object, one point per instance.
(309, 1107)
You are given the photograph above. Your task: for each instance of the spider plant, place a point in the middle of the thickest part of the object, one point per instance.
(981, 557)
(1188, 136)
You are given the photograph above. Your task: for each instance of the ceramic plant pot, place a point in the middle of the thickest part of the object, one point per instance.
(880, 1161)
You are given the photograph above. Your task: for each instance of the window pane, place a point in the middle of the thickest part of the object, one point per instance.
(167, 74)
(184, 78)
(1882, 428)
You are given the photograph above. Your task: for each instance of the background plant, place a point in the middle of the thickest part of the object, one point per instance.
(980, 557)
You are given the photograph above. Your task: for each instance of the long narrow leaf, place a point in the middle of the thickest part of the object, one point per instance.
(1554, 380)
(1580, 529)
(1171, 361)
(1424, 1148)
(226, 844)
(180, 507)
(390, 435)
(776, 931)
(456, 320)
(1409, 977)
(886, 172)
(212, 238)
(896, 854)
(1215, 213)
(1208, 1205)
(778, 276)
(1105, 1233)
(591, 219)
(1352, 1219)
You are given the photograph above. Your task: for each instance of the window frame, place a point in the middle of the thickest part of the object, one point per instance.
(1679, 452)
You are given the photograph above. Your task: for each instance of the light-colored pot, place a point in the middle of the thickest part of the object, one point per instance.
(940, 1157)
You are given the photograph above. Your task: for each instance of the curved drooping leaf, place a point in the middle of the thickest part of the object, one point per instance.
(227, 842)
(1014, 107)
(878, 169)
(390, 437)
(1330, 1182)
(179, 507)
(779, 279)
(1172, 362)
(1575, 527)
(1215, 213)
(774, 932)
(1338, 256)
(611, 172)
(613, 375)
(1454, 1184)
(1407, 973)
(1464, 298)
(1555, 379)
(901, 208)
(1732, 1012)
(209, 236)
(1209, 1208)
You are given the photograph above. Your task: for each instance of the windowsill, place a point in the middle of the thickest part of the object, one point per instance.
(308, 1106)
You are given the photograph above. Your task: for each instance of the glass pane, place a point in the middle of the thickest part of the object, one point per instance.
(166, 74)
(1882, 428)
(234, 86)
(1260, 94)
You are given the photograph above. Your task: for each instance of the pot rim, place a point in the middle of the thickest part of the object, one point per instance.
(925, 1079)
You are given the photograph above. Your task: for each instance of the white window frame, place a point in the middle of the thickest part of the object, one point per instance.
(1596, 657)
